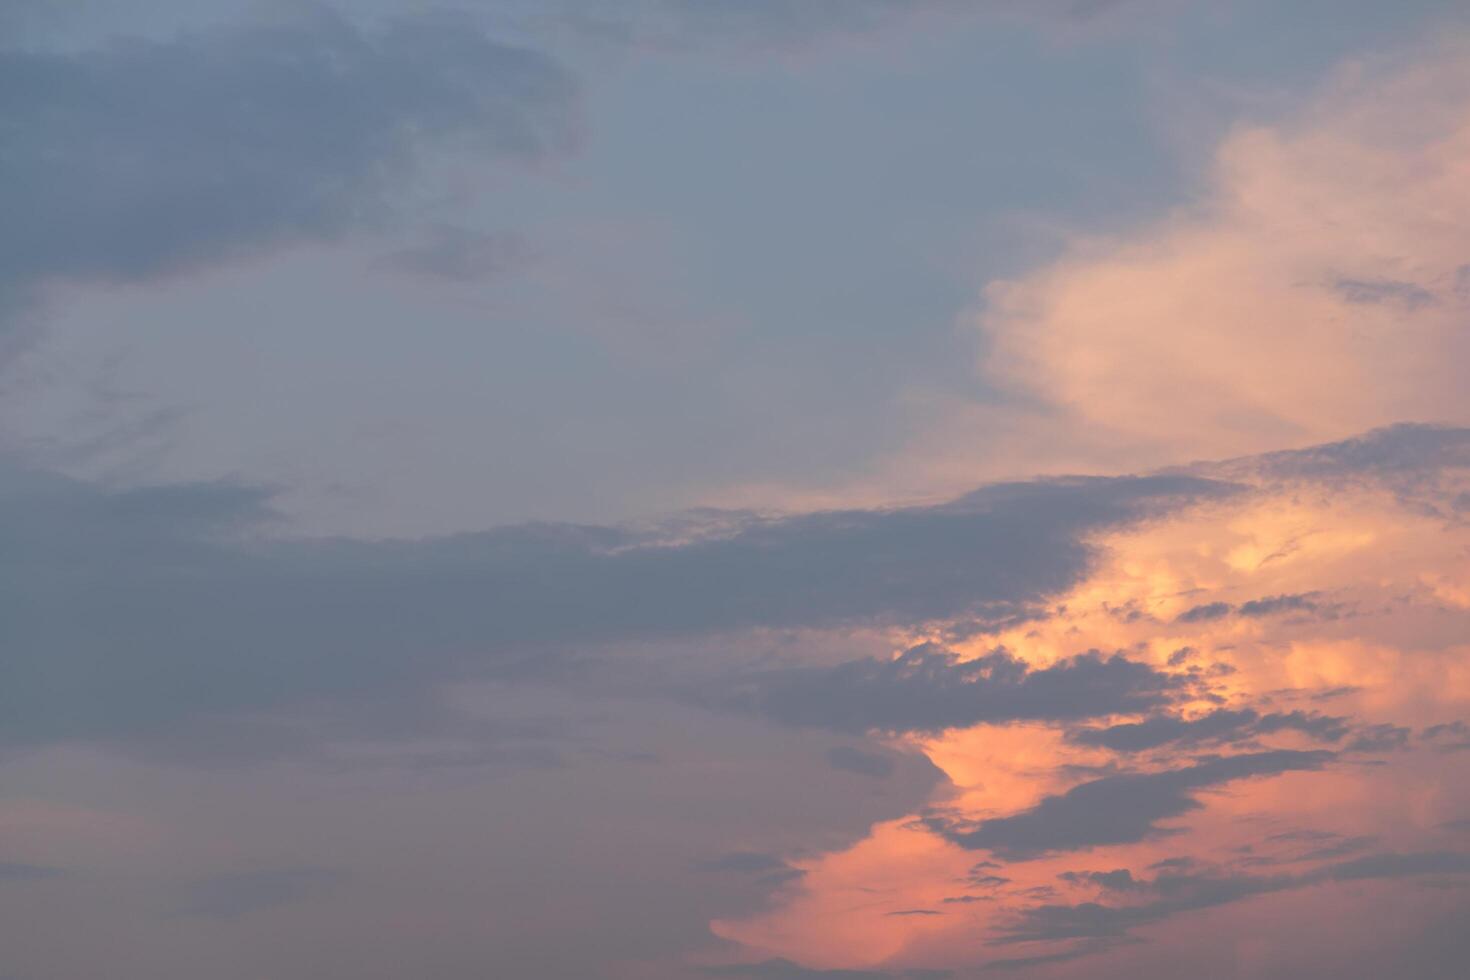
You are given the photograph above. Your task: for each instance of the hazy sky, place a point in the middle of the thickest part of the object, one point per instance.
(849, 489)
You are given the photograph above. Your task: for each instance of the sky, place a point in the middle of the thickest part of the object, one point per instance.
(783, 489)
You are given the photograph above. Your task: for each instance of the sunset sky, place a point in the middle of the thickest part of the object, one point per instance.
(775, 489)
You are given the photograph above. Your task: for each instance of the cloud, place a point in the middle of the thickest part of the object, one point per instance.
(930, 689)
(134, 613)
(1449, 737)
(1220, 725)
(1115, 809)
(1422, 464)
(1315, 289)
(1383, 737)
(1407, 294)
(143, 158)
(1181, 892)
(1255, 608)
(1119, 880)
(1205, 613)
(1271, 605)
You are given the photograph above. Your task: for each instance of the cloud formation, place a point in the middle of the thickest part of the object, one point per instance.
(1221, 725)
(1115, 809)
(143, 158)
(930, 689)
(1317, 288)
(131, 612)
(1177, 892)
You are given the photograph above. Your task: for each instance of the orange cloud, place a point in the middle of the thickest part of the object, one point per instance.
(1322, 286)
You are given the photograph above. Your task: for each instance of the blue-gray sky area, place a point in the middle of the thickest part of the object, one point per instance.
(658, 489)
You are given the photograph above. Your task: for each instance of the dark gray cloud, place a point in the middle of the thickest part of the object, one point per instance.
(1271, 605)
(1118, 880)
(1205, 613)
(1220, 725)
(1411, 459)
(1423, 466)
(129, 613)
(929, 689)
(142, 158)
(1187, 891)
(1449, 737)
(1380, 738)
(1114, 809)
(1408, 295)
(1305, 602)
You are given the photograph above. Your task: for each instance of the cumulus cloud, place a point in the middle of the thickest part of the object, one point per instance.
(1316, 289)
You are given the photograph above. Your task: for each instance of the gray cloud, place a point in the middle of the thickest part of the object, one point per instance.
(1270, 605)
(1205, 613)
(142, 158)
(129, 613)
(1408, 458)
(928, 689)
(1181, 892)
(1119, 880)
(1380, 738)
(1115, 809)
(1255, 608)
(1410, 296)
(1449, 737)
(1221, 725)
